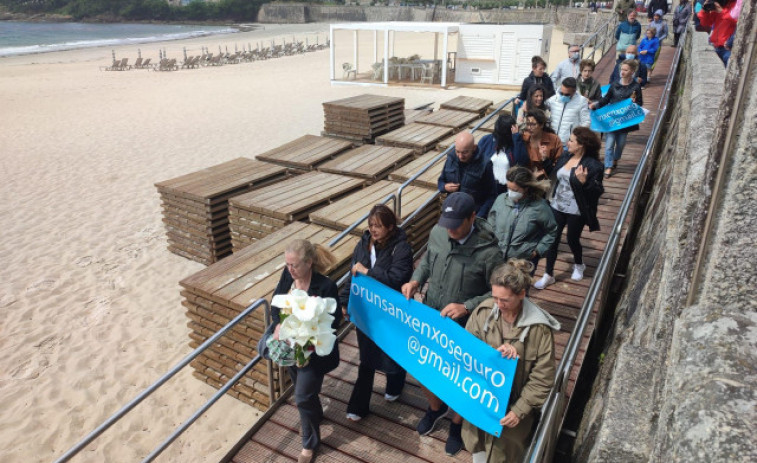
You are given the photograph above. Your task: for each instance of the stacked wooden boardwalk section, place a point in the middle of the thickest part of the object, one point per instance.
(217, 294)
(257, 214)
(195, 206)
(388, 433)
(363, 117)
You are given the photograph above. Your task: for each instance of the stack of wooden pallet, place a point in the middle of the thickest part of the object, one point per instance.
(468, 104)
(195, 206)
(348, 210)
(370, 162)
(428, 178)
(361, 118)
(306, 152)
(258, 214)
(457, 120)
(416, 136)
(218, 293)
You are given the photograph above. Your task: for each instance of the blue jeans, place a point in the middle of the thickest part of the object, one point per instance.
(724, 54)
(614, 144)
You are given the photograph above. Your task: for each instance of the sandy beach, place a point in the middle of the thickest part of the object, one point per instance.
(89, 297)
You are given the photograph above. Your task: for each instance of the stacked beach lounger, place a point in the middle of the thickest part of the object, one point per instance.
(217, 294)
(428, 178)
(348, 210)
(361, 118)
(195, 206)
(255, 215)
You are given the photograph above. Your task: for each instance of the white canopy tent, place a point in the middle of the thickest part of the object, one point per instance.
(387, 29)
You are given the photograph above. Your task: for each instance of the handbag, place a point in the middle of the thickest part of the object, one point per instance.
(675, 22)
(275, 350)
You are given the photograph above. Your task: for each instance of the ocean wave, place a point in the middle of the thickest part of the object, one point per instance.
(46, 48)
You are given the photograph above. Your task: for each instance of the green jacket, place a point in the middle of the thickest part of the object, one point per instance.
(460, 274)
(522, 231)
(533, 338)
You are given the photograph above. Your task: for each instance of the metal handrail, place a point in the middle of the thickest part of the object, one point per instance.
(608, 25)
(542, 445)
(70, 453)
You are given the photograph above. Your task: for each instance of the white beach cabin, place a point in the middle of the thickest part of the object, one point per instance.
(420, 53)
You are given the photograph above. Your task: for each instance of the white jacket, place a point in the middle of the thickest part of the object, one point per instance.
(565, 117)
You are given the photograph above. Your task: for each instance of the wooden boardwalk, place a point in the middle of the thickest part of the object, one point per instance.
(388, 433)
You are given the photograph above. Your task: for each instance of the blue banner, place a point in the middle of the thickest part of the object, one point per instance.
(466, 373)
(604, 89)
(617, 116)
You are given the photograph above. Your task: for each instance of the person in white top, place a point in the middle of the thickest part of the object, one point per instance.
(570, 67)
(568, 110)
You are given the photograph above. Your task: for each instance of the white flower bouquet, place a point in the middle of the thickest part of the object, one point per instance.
(306, 324)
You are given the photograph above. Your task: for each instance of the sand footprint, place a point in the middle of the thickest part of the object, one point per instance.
(41, 285)
(84, 261)
(6, 300)
(98, 308)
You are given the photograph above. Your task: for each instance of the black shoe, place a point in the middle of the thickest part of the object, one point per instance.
(429, 420)
(455, 440)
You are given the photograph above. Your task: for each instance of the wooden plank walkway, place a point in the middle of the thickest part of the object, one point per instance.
(388, 434)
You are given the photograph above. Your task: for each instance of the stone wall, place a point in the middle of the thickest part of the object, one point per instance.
(577, 20)
(677, 383)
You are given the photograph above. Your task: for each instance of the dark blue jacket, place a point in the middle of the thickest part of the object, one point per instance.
(475, 178)
(545, 80)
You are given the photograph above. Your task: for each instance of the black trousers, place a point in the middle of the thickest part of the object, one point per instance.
(371, 359)
(307, 386)
(575, 224)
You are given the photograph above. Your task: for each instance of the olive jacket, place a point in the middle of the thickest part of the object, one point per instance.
(533, 338)
(458, 273)
(523, 227)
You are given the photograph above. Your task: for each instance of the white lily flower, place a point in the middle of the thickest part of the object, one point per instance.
(307, 311)
(324, 343)
(330, 303)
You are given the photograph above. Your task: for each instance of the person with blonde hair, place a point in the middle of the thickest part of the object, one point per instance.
(515, 326)
(522, 219)
(304, 264)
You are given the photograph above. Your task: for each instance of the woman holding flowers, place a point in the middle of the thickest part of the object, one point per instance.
(383, 254)
(302, 277)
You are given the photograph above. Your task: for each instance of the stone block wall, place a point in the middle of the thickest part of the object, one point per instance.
(678, 382)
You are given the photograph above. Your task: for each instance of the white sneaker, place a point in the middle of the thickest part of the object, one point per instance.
(353, 417)
(545, 281)
(391, 398)
(578, 272)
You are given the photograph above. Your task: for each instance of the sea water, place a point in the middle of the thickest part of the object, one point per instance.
(20, 38)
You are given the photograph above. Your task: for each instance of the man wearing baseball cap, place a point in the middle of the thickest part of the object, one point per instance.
(462, 252)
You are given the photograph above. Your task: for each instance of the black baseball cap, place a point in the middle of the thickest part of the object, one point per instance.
(457, 207)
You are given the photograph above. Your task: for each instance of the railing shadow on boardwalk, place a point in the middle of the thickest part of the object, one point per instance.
(388, 433)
